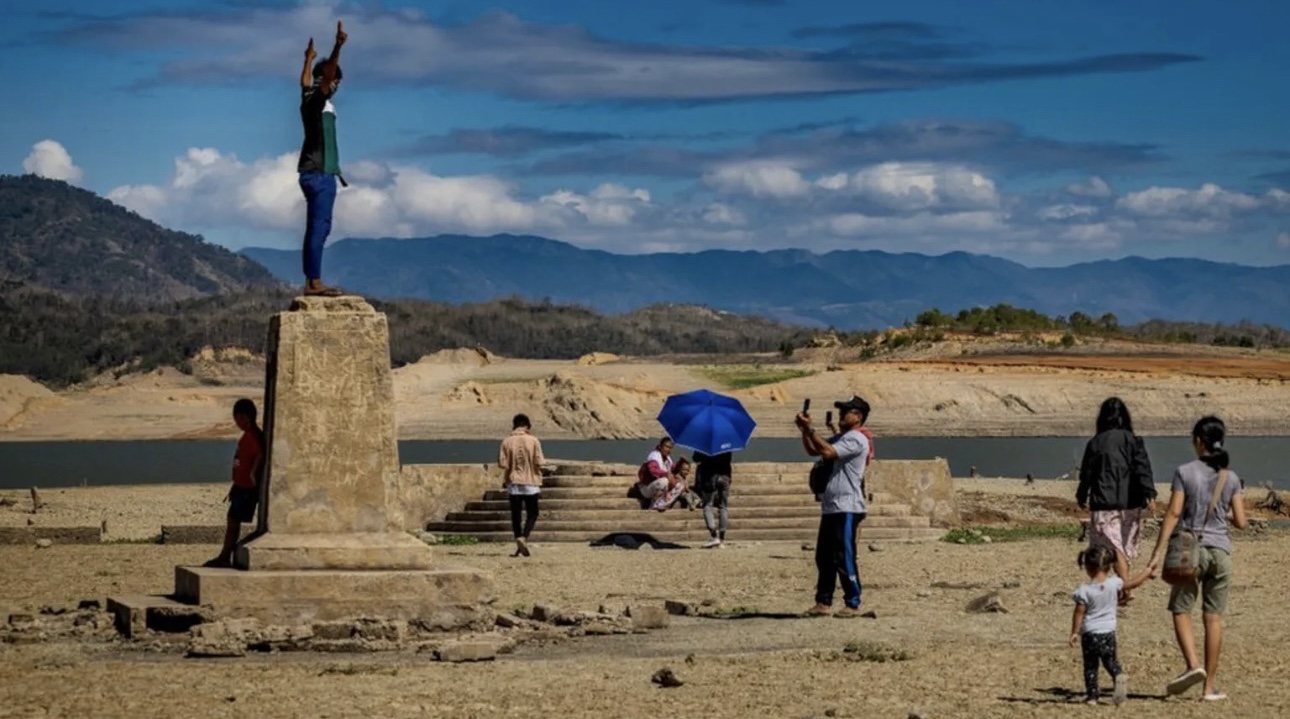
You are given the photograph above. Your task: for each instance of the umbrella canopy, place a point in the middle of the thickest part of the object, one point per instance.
(707, 422)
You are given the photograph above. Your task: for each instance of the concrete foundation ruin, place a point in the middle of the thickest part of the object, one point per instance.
(329, 542)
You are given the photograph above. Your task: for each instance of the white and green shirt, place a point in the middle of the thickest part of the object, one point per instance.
(318, 152)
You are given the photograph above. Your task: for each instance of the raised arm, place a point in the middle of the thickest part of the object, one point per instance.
(307, 74)
(812, 442)
(329, 69)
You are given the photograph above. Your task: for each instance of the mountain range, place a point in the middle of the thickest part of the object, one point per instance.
(59, 237)
(848, 289)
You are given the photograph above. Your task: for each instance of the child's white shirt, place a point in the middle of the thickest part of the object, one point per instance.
(1100, 602)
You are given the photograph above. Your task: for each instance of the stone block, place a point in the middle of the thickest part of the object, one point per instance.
(925, 485)
(376, 550)
(329, 419)
(175, 618)
(293, 597)
(648, 616)
(130, 611)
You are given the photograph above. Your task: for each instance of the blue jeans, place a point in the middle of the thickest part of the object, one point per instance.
(320, 198)
(835, 558)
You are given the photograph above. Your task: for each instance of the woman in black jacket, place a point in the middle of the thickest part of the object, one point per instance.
(1116, 484)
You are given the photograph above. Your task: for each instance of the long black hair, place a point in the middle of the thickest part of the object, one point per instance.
(1212, 433)
(1114, 414)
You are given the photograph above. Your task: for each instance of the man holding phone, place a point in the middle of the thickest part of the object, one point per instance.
(842, 505)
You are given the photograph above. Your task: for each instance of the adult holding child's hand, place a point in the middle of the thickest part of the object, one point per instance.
(1194, 551)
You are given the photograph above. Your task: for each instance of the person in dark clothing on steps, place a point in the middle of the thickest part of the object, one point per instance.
(712, 482)
(842, 506)
(1116, 484)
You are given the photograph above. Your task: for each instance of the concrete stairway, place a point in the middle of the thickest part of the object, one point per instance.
(581, 508)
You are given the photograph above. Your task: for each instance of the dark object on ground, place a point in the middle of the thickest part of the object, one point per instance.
(1273, 502)
(633, 540)
(666, 678)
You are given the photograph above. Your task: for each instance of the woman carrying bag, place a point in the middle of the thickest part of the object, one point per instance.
(1194, 551)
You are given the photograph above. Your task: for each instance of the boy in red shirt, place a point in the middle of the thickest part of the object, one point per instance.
(244, 495)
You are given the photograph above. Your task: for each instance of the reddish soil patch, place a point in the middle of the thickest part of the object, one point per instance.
(1265, 368)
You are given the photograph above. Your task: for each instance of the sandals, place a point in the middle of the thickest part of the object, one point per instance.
(323, 292)
(1185, 681)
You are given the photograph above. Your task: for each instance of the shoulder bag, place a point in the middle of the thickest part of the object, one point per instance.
(1182, 555)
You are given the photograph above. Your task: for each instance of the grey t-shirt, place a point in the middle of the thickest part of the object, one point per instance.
(1100, 601)
(1196, 480)
(844, 493)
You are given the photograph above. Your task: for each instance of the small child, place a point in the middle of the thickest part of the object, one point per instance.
(1093, 623)
(244, 495)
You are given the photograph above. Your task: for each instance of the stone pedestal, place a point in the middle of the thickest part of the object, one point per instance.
(329, 542)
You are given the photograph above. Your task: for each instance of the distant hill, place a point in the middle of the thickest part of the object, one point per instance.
(846, 289)
(62, 238)
(62, 340)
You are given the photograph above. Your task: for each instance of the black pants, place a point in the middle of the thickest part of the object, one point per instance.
(835, 558)
(528, 504)
(1098, 647)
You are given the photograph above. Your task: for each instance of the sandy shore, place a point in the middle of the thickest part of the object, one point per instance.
(462, 395)
(1015, 664)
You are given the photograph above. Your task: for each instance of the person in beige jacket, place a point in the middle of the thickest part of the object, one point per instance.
(520, 458)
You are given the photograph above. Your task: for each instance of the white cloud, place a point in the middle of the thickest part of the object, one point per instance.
(212, 190)
(894, 186)
(719, 213)
(609, 204)
(1094, 187)
(759, 179)
(51, 160)
(923, 223)
(911, 186)
(1209, 201)
(1058, 213)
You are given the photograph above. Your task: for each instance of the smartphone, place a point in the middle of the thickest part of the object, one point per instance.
(806, 406)
(828, 417)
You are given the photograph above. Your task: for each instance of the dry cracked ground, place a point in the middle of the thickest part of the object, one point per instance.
(923, 654)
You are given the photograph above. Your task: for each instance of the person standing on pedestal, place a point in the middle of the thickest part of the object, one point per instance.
(319, 164)
(520, 458)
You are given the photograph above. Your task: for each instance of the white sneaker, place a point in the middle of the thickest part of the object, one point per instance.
(1121, 689)
(714, 542)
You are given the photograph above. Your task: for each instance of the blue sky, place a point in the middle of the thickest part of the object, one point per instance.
(1046, 132)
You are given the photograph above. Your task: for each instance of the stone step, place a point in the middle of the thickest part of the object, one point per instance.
(624, 504)
(565, 480)
(700, 535)
(647, 521)
(632, 512)
(135, 613)
(619, 491)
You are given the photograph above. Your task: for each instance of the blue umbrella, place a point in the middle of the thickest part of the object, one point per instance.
(707, 422)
